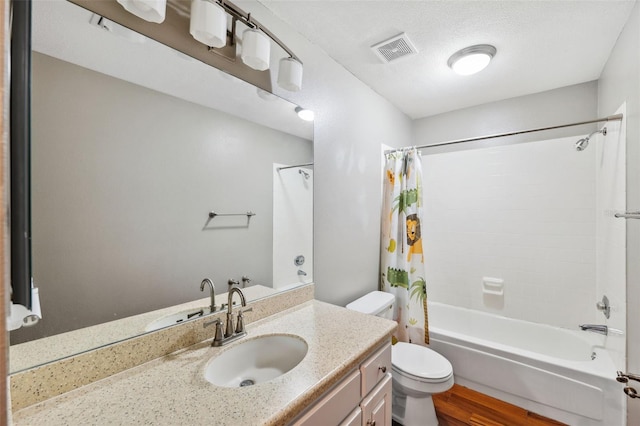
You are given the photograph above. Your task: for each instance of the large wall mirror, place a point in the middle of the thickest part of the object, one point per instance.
(133, 145)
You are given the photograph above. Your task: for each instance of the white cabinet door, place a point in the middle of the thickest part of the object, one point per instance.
(335, 405)
(353, 419)
(376, 407)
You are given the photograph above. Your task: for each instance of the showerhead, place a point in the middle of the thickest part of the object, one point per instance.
(583, 143)
(303, 173)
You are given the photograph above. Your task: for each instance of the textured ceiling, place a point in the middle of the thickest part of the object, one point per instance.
(541, 45)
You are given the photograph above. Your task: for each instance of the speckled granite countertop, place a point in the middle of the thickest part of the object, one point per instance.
(40, 351)
(172, 390)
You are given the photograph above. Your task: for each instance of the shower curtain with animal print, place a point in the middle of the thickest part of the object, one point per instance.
(401, 254)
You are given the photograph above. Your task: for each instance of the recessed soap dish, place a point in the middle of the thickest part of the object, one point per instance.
(493, 286)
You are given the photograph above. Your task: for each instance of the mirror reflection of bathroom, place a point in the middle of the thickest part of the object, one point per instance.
(145, 167)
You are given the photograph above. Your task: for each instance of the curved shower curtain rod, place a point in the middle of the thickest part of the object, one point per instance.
(616, 117)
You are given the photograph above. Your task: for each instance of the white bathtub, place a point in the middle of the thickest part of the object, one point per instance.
(544, 369)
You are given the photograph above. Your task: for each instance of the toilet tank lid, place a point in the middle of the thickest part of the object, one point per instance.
(372, 303)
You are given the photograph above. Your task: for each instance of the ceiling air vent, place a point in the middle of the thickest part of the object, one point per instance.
(394, 48)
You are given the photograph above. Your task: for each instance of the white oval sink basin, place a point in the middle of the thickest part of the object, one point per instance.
(256, 360)
(177, 318)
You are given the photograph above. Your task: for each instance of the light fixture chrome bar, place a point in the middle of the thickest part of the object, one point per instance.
(616, 117)
(297, 165)
(246, 19)
(628, 215)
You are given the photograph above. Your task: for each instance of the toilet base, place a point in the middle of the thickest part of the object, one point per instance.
(412, 411)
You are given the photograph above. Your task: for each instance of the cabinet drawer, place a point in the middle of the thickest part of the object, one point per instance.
(373, 369)
(335, 405)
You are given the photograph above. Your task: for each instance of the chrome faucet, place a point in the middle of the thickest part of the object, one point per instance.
(212, 291)
(230, 333)
(596, 328)
(243, 302)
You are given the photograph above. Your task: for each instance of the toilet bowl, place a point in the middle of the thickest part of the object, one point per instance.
(417, 371)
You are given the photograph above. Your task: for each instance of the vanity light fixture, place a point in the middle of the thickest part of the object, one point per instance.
(208, 23)
(472, 59)
(290, 74)
(149, 10)
(256, 45)
(305, 114)
(256, 49)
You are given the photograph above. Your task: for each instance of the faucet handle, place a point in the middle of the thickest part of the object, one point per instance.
(240, 321)
(218, 336)
(245, 280)
(240, 324)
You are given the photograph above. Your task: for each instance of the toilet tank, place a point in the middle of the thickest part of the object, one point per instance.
(376, 303)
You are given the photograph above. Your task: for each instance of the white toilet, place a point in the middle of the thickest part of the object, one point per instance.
(418, 372)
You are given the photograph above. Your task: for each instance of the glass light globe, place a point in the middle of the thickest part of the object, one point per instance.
(471, 64)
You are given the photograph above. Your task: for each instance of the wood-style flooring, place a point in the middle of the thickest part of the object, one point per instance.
(461, 406)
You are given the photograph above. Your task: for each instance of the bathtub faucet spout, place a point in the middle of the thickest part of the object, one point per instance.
(596, 328)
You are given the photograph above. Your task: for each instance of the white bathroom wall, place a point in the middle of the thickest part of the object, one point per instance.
(292, 226)
(521, 213)
(611, 243)
(620, 83)
(351, 122)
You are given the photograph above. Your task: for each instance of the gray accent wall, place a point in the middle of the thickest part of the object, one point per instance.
(123, 180)
(554, 107)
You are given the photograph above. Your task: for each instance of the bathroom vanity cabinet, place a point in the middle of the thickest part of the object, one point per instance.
(340, 381)
(362, 398)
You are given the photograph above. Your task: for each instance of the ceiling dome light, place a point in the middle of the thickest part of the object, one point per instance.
(208, 23)
(149, 10)
(256, 49)
(305, 114)
(472, 59)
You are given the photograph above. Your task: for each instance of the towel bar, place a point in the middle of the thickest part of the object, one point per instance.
(247, 214)
(628, 215)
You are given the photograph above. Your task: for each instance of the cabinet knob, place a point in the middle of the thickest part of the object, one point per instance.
(371, 423)
(384, 370)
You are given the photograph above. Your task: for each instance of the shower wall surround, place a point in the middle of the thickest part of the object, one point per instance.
(523, 213)
(547, 300)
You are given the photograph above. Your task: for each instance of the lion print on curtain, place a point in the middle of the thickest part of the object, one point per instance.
(401, 254)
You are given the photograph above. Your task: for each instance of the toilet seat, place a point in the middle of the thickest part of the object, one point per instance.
(420, 363)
